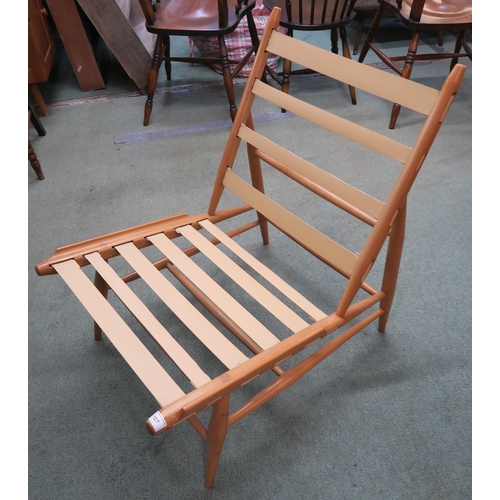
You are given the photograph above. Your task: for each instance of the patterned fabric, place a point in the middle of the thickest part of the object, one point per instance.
(238, 43)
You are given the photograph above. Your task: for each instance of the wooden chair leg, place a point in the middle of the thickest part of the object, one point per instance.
(371, 33)
(158, 53)
(34, 162)
(346, 53)
(392, 261)
(228, 78)
(359, 34)
(217, 429)
(458, 48)
(334, 39)
(406, 73)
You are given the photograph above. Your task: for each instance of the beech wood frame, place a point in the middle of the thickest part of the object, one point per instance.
(386, 218)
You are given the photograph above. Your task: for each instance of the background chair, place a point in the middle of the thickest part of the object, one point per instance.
(311, 15)
(365, 9)
(418, 16)
(191, 19)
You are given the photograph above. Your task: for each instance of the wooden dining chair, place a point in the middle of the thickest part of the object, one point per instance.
(418, 16)
(259, 320)
(193, 19)
(312, 15)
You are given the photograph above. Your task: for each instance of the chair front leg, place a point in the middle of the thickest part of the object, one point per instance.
(406, 73)
(217, 429)
(153, 76)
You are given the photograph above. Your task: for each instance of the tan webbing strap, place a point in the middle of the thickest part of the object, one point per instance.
(233, 309)
(339, 188)
(151, 373)
(149, 322)
(221, 347)
(264, 271)
(336, 255)
(393, 88)
(286, 315)
(366, 137)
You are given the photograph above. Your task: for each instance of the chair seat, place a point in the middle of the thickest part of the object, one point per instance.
(195, 18)
(435, 12)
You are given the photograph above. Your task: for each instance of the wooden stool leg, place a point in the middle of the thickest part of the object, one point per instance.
(392, 261)
(34, 162)
(217, 429)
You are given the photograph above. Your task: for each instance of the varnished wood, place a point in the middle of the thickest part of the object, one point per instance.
(251, 336)
(418, 16)
(196, 18)
(315, 15)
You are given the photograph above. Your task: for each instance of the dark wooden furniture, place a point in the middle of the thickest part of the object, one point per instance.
(260, 321)
(364, 9)
(79, 47)
(311, 15)
(32, 157)
(121, 38)
(418, 16)
(41, 50)
(196, 18)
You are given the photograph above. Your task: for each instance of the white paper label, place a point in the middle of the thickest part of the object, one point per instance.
(157, 421)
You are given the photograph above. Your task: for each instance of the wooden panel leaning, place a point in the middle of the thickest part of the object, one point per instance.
(259, 327)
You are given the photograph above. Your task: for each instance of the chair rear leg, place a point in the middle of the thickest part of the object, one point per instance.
(392, 261)
(228, 79)
(153, 76)
(346, 53)
(406, 73)
(217, 429)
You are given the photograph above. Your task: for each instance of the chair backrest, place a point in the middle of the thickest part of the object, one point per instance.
(380, 215)
(149, 8)
(318, 12)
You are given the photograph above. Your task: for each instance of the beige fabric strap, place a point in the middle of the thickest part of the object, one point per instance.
(233, 309)
(409, 94)
(339, 188)
(329, 121)
(149, 322)
(151, 373)
(264, 271)
(336, 255)
(227, 352)
(286, 315)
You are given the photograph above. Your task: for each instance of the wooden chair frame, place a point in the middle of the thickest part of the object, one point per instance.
(257, 350)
